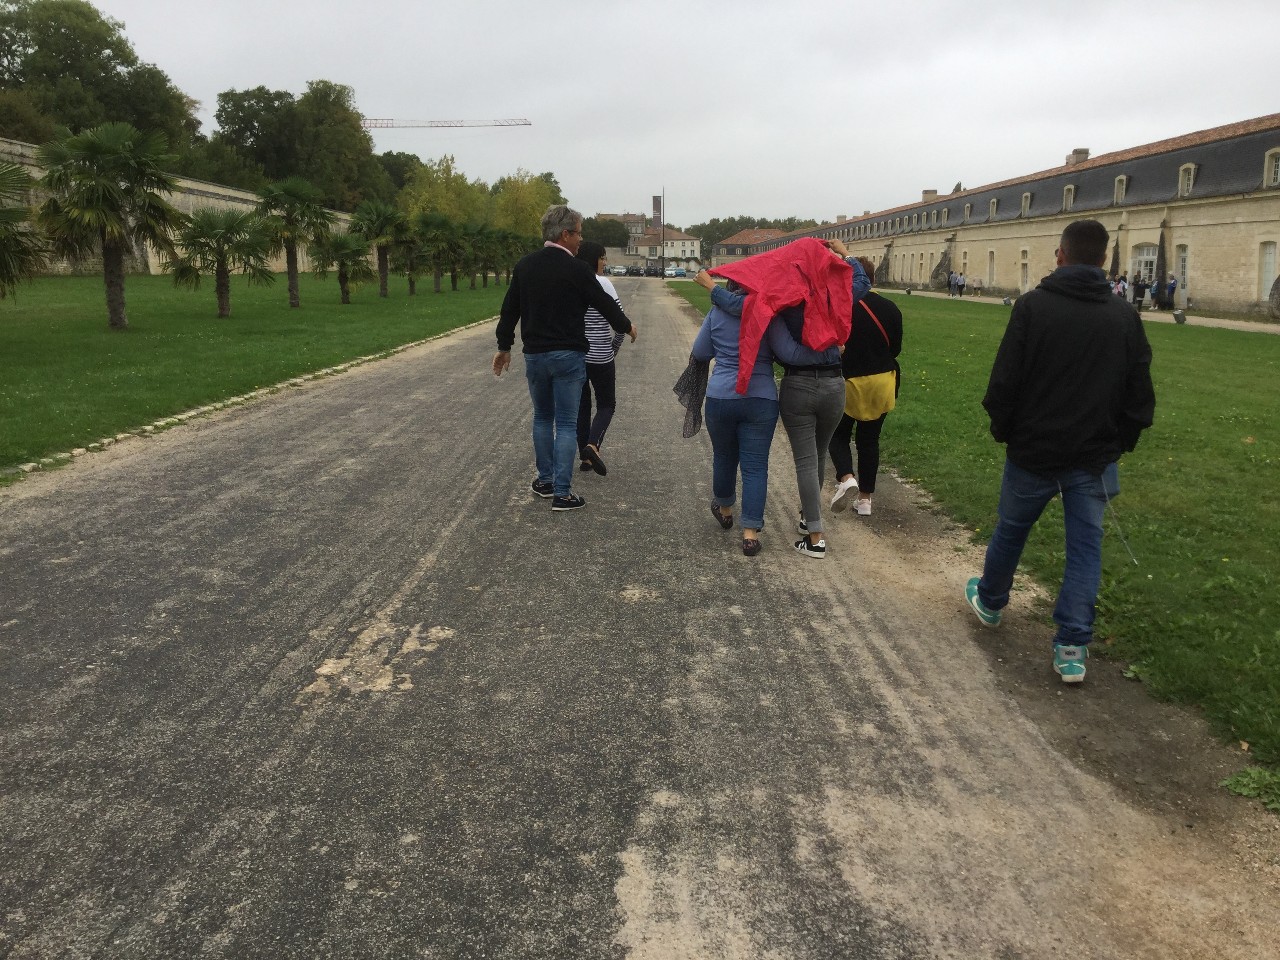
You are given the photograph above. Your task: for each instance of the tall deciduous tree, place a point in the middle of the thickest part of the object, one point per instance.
(78, 69)
(378, 223)
(107, 191)
(607, 233)
(520, 200)
(221, 242)
(22, 252)
(438, 186)
(295, 216)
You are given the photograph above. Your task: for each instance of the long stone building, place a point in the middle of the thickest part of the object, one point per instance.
(1211, 198)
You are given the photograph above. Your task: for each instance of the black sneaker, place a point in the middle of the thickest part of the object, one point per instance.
(571, 502)
(543, 488)
(817, 550)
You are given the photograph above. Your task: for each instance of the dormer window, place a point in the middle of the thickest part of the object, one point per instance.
(1271, 171)
(915, 220)
(1122, 184)
(991, 210)
(933, 219)
(1026, 204)
(1068, 197)
(968, 209)
(944, 215)
(1186, 179)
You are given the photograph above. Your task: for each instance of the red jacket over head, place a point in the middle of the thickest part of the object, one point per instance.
(802, 272)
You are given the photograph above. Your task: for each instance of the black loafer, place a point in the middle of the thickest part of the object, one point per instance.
(750, 547)
(725, 522)
(596, 463)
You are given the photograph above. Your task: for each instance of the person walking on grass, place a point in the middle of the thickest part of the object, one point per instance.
(1070, 391)
(549, 294)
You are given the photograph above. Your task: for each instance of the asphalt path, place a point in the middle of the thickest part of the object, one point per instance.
(319, 677)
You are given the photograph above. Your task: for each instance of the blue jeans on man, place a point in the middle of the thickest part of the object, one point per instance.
(741, 433)
(1023, 497)
(555, 387)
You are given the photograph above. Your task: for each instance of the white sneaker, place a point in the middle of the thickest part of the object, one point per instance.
(840, 501)
(863, 506)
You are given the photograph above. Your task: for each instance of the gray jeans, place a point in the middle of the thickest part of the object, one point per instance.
(811, 408)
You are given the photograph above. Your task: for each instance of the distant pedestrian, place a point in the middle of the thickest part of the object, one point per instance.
(549, 294)
(960, 284)
(1069, 393)
(952, 282)
(1139, 292)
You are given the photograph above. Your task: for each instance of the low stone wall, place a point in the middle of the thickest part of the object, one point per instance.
(191, 195)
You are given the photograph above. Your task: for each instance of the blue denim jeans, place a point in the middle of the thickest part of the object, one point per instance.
(555, 386)
(1023, 497)
(741, 433)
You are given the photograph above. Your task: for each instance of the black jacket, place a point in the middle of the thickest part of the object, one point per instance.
(549, 294)
(1071, 385)
(868, 351)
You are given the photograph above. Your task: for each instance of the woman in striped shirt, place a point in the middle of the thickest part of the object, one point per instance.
(603, 344)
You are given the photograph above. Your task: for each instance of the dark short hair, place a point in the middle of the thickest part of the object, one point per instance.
(869, 267)
(591, 252)
(1084, 241)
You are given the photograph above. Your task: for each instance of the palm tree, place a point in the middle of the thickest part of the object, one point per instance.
(107, 189)
(297, 216)
(409, 249)
(220, 242)
(349, 252)
(378, 222)
(22, 251)
(439, 243)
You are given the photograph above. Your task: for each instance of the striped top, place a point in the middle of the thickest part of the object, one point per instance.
(602, 340)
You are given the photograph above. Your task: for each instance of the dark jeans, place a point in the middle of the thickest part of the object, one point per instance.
(1023, 497)
(555, 386)
(741, 434)
(866, 437)
(602, 378)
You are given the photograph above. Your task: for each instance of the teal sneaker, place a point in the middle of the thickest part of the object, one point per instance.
(1068, 662)
(989, 618)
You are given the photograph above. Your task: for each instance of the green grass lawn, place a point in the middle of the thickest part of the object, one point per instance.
(66, 379)
(1198, 617)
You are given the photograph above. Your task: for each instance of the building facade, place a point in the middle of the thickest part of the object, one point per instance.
(1210, 199)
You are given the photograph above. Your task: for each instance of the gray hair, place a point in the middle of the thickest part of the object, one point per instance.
(558, 219)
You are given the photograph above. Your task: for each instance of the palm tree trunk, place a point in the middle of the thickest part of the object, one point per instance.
(222, 287)
(439, 275)
(291, 266)
(382, 271)
(113, 280)
(413, 285)
(484, 278)
(473, 280)
(344, 284)
(453, 280)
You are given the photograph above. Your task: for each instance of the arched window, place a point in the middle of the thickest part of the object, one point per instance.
(1122, 184)
(1068, 197)
(1271, 169)
(1026, 204)
(991, 209)
(1186, 179)
(968, 209)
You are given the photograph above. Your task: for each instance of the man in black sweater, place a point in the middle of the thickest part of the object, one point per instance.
(549, 294)
(1069, 393)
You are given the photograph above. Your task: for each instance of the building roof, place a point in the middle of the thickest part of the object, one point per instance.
(750, 236)
(654, 236)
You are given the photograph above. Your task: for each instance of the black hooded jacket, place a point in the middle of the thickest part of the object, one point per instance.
(1071, 385)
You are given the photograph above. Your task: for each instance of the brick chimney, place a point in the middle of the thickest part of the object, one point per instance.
(1078, 155)
(927, 195)
(841, 218)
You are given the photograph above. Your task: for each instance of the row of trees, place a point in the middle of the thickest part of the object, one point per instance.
(107, 194)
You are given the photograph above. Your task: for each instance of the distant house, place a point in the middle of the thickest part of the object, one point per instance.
(673, 246)
(741, 245)
(634, 222)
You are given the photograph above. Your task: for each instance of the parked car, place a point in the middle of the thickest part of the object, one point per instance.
(669, 272)
(618, 270)
(635, 270)
(681, 272)
(653, 271)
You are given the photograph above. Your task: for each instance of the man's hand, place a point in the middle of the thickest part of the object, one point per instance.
(632, 333)
(838, 248)
(704, 280)
(502, 361)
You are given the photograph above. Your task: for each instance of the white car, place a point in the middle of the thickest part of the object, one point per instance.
(669, 272)
(618, 270)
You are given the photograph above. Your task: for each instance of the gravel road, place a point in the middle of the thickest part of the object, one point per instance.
(318, 677)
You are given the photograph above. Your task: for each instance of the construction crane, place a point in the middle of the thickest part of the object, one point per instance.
(370, 123)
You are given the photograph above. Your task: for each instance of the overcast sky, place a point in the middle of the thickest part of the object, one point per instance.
(810, 108)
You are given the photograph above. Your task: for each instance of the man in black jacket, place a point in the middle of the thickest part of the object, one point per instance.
(1069, 393)
(549, 294)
